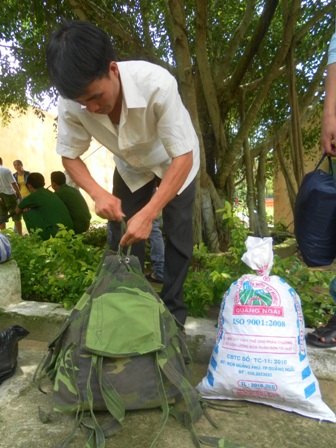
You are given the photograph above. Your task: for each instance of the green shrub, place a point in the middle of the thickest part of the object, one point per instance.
(312, 285)
(57, 270)
(210, 275)
(96, 235)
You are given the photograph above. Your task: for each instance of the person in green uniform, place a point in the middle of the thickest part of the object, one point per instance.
(43, 209)
(73, 200)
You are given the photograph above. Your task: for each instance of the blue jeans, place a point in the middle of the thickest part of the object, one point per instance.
(157, 250)
(332, 289)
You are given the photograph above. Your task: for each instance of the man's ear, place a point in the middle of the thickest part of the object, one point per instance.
(114, 68)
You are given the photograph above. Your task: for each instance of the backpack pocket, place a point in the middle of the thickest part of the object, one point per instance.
(125, 323)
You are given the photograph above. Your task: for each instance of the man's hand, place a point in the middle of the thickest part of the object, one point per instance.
(328, 135)
(328, 132)
(139, 228)
(108, 206)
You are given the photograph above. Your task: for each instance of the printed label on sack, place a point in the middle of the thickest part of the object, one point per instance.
(258, 339)
(260, 344)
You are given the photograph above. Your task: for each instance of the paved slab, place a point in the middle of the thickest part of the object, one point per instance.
(252, 426)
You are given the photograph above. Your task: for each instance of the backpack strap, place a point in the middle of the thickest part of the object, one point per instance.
(114, 403)
(331, 171)
(96, 434)
(188, 392)
(164, 403)
(193, 402)
(185, 419)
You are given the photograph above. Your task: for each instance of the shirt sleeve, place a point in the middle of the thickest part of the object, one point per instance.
(72, 138)
(28, 202)
(174, 123)
(332, 50)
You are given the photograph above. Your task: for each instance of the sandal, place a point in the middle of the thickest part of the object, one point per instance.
(328, 333)
(150, 277)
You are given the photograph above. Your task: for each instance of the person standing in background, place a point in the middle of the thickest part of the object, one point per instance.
(9, 194)
(21, 177)
(157, 252)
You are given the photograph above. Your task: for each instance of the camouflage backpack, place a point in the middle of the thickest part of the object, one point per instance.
(121, 349)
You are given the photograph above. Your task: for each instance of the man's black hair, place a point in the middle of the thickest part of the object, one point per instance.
(58, 178)
(78, 53)
(36, 180)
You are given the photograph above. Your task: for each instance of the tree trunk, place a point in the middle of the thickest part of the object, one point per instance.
(290, 183)
(209, 228)
(262, 229)
(295, 140)
(185, 76)
(248, 161)
(207, 79)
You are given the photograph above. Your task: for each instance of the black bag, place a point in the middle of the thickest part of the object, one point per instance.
(9, 350)
(315, 217)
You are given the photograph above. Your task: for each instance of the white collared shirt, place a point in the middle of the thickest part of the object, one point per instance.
(6, 181)
(154, 126)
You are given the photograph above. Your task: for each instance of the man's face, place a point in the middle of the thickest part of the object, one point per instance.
(102, 94)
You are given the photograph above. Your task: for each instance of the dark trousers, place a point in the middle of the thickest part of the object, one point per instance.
(177, 226)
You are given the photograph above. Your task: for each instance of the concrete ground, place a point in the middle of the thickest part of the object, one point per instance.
(22, 405)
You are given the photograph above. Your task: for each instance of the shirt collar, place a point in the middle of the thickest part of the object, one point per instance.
(132, 95)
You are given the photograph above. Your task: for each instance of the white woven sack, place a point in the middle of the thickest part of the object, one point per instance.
(5, 248)
(260, 353)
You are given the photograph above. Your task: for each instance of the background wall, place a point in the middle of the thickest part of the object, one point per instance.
(33, 141)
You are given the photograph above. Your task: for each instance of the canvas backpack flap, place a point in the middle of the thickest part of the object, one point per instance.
(125, 314)
(125, 323)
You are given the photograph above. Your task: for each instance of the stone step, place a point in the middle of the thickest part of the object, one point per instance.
(43, 320)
